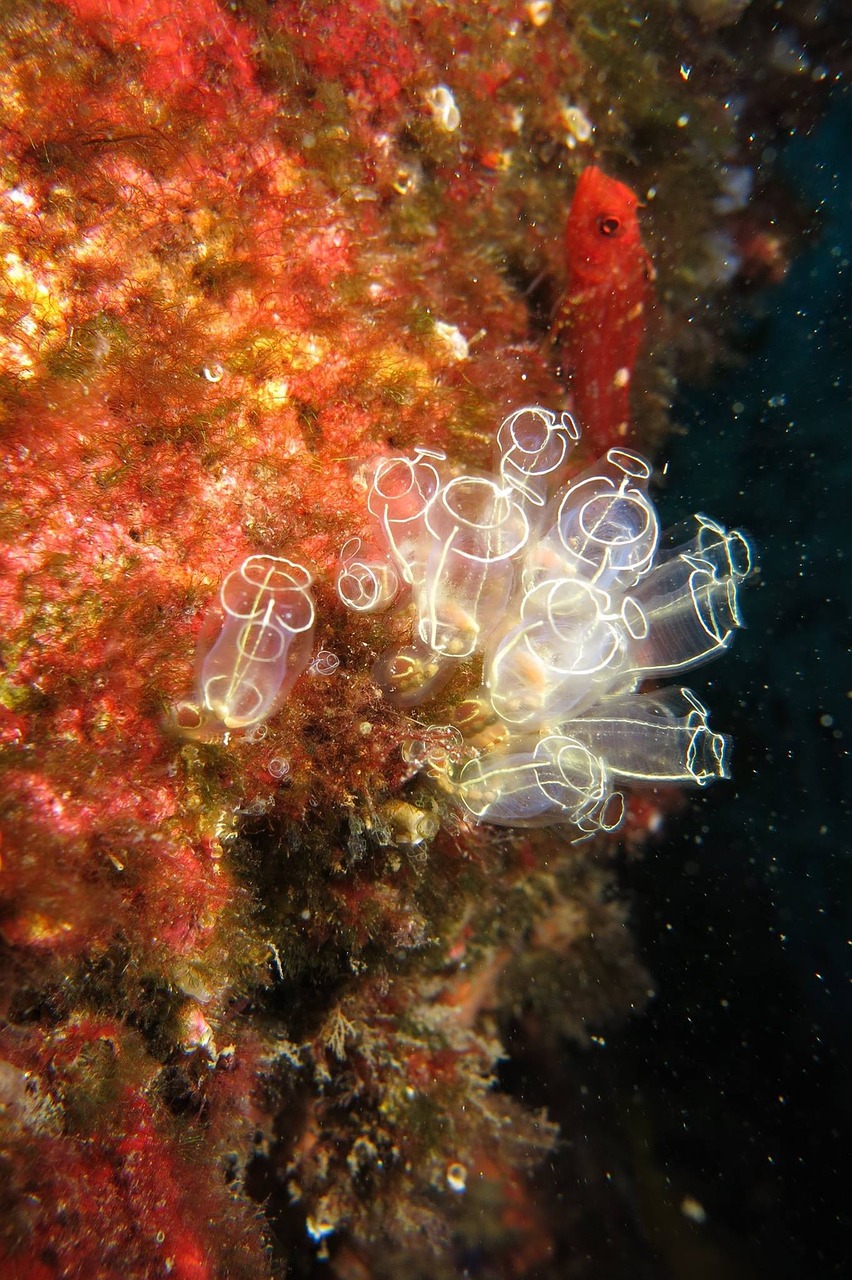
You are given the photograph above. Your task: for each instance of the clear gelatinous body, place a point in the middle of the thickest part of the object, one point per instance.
(687, 607)
(475, 529)
(263, 643)
(557, 780)
(400, 492)
(409, 675)
(566, 650)
(561, 586)
(532, 446)
(605, 529)
(655, 737)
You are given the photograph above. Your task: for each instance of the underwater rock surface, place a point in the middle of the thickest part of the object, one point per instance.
(260, 974)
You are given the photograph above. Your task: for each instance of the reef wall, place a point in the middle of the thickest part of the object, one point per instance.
(258, 981)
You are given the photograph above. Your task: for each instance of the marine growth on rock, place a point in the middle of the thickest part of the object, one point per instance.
(259, 974)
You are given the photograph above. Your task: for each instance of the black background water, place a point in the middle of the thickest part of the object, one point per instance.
(744, 913)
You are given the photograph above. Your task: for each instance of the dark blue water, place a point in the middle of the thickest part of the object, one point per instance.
(745, 912)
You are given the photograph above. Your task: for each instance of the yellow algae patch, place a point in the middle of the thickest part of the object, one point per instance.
(33, 306)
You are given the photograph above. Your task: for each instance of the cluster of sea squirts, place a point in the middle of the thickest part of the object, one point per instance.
(563, 586)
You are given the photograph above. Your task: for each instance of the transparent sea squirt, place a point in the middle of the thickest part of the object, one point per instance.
(263, 643)
(475, 530)
(563, 588)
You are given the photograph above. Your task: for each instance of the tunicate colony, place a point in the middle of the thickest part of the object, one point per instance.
(562, 588)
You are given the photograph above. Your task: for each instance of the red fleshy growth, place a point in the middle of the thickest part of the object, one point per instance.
(357, 47)
(220, 344)
(196, 49)
(156, 1182)
(106, 875)
(130, 1211)
(602, 318)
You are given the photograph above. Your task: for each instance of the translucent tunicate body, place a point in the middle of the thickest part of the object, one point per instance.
(532, 446)
(566, 651)
(263, 642)
(605, 529)
(475, 530)
(686, 610)
(400, 491)
(435, 749)
(562, 588)
(556, 779)
(325, 663)
(409, 675)
(655, 737)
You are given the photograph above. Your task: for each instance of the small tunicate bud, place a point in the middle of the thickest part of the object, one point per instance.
(439, 746)
(278, 767)
(325, 663)
(443, 107)
(256, 733)
(367, 581)
(410, 675)
(187, 717)
(445, 747)
(415, 752)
